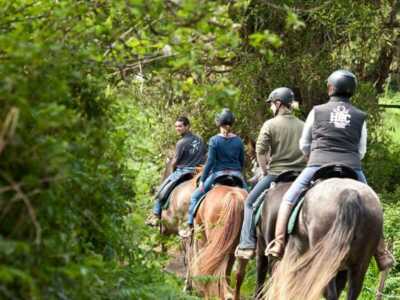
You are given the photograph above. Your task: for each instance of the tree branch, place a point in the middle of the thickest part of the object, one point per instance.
(8, 128)
(21, 195)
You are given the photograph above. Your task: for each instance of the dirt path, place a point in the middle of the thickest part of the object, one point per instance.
(176, 263)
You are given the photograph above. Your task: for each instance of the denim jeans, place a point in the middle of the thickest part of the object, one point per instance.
(292, 194)
(172, 177)
(248, 233)
(208, 183)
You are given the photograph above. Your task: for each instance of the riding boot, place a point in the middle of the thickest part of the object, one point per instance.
(187, 232)
(277, 246)
(384, 259)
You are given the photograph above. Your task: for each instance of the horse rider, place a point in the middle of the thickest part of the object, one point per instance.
(334, 132)
(225, 157)
(190, 152)
(277, 151)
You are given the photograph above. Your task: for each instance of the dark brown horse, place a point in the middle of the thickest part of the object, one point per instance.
(217, 231)
(336, 235)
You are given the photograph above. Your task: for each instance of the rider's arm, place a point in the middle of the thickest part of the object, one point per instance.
(211, 157)
(178, 154)
(241, 157)
(306, 137)
(263, 147)
(362, 148)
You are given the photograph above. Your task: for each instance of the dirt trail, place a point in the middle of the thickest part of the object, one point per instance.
(176, 263)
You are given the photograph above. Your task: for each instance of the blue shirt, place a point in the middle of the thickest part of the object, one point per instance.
(224, 153)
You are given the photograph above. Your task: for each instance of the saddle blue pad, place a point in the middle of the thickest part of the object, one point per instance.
(257, 207)
(294, 216)
(165, 205)
(174, 184)
(198, 204)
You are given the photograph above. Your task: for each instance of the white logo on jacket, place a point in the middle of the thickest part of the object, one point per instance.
(340, 117)
(195, 146)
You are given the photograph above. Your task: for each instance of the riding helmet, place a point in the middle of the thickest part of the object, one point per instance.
(225, 117)
(283, 94)
(344, 83)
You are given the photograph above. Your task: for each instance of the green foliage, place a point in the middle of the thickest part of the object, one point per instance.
(90, 90)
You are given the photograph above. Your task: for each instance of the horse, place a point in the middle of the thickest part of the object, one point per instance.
(210, 251)
(336, 234)
(179, 199)
(176, 214)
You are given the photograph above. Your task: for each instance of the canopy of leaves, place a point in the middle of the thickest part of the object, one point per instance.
(89, 90)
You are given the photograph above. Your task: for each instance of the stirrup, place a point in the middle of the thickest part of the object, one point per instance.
(244, 253)
(186, 233)
(272, 251)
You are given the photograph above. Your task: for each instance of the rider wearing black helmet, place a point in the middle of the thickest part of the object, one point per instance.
(334, 132)
(225, 156)
(225, 118)
(277, 151)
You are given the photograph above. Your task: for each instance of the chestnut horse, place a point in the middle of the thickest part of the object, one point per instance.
(336, 235)
(216, 234)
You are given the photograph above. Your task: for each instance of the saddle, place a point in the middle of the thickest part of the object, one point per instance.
(225, 179)
(166, 191)
(286, 176)
(229, 180)
(324, 173)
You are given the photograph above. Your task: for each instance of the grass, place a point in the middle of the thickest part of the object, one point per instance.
(391, 116)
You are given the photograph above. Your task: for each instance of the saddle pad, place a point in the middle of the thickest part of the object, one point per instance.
(257, 207)
(198, 204)
(294, 215)
(165, 204)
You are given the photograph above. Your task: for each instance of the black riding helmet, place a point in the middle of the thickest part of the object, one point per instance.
(282, 94)
(225, 117)
(344, 83)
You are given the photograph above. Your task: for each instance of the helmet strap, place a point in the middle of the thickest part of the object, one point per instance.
(277, 108)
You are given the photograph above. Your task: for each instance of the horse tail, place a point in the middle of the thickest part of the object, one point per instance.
(305, 277)
(213, 260)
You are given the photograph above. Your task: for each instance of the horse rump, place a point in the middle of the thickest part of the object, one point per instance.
(212, 263)
(305, 277)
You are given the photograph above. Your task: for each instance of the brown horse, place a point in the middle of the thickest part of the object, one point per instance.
(177, 212)
(217, 231)
(336, 235)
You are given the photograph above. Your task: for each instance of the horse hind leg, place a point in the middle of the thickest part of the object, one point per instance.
(341, 279)
(356, 278)
(241, 272)
(336, 286)
(331, 291)
(262, 269)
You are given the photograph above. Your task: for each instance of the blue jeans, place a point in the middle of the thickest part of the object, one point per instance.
(208, 183)
(172, 177)
(248, 233)
(292, 194)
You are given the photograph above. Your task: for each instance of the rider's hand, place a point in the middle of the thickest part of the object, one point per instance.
(201, 186)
